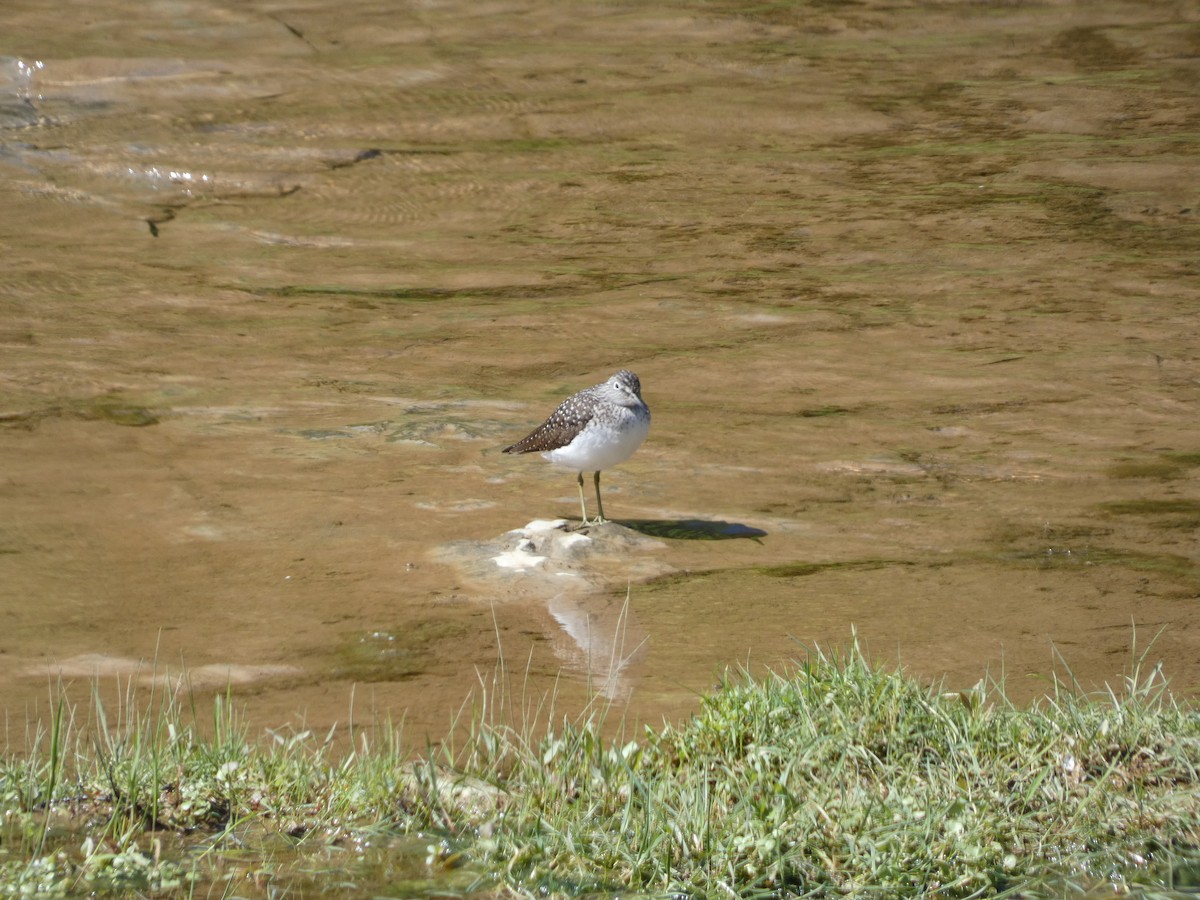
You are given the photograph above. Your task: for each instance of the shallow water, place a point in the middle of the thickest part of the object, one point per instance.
(911, 291)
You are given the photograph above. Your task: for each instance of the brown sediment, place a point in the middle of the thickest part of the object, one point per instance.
(911, 292)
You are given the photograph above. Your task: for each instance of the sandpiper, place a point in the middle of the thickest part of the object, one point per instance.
(593, 430)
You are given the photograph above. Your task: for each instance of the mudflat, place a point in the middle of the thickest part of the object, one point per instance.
(912, 291)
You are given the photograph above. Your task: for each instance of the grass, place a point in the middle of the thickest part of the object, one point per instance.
(835, 778)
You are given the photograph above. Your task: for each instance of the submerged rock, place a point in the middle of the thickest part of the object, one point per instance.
(548, 556)
(572, 570)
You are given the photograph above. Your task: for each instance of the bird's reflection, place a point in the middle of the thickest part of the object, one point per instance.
(600, 639)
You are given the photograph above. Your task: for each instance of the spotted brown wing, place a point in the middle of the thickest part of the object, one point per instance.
(560, 429)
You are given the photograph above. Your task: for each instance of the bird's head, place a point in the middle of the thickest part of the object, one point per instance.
(624, 388)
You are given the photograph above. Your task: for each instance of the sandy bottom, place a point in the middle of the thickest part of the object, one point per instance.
(911, 292)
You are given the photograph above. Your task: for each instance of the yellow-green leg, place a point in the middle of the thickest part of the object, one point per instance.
(600, 518)
(582, 502)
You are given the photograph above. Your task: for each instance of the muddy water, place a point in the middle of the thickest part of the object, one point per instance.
(912, 293)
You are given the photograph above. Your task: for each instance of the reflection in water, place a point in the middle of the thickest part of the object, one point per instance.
(569, 571)
(605, 640)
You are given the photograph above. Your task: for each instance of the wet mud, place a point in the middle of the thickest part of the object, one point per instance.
(911, 291)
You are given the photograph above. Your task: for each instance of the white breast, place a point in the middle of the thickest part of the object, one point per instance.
(601, 446)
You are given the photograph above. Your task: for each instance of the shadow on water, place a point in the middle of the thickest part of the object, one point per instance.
(694, 529)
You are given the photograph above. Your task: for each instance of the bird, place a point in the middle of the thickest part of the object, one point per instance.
(593, 430)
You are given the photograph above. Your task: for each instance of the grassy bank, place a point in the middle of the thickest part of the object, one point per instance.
(838, 777)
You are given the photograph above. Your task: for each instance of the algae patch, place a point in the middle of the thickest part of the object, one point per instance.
(396, 654)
